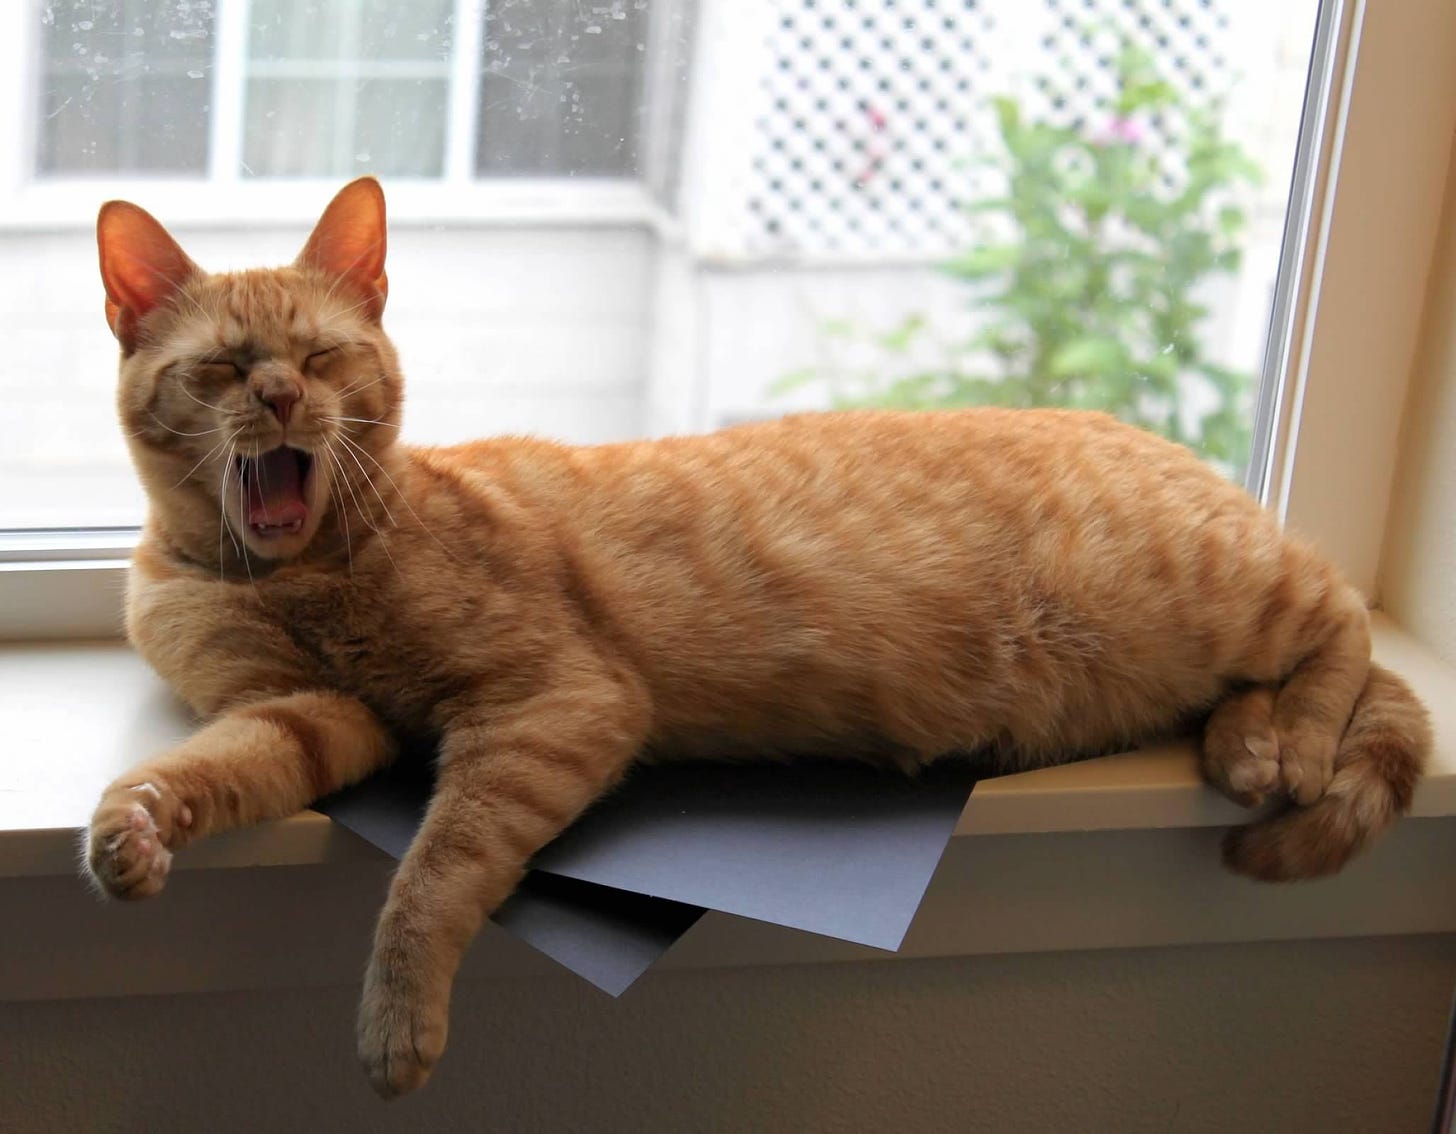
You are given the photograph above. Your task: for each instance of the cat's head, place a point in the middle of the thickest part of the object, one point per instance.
(254, 399)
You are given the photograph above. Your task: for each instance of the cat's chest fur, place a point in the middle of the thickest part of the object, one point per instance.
(379, 643)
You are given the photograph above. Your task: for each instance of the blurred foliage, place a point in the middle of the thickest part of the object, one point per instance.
(1085, 277)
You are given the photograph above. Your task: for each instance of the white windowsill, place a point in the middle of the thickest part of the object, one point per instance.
(86, 711)
(187, 203)
(1109, 853)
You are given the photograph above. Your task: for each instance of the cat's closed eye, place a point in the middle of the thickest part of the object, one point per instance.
(318, 357)
(218, 368)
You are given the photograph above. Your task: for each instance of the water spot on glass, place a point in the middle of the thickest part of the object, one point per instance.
(194, 74)
(593, 29)
(85, 25)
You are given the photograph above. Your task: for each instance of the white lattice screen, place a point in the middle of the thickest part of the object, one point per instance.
(865, 113)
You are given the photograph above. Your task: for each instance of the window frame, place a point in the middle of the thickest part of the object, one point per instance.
(1356, 304)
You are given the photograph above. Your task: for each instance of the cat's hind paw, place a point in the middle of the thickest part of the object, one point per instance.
(126, 846)
(1241, 749)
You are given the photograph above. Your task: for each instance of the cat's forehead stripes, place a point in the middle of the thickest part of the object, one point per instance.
(254, 313)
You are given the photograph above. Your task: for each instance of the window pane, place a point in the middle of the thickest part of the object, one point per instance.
(344, 87)
(399, 127)
(420, 29)
(288, 29)
(291, 128)
(560, 89)
(124, 87)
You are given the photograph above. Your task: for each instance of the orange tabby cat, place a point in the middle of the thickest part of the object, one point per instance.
(1027, 585)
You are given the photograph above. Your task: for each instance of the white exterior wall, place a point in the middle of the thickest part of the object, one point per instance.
(499, 329)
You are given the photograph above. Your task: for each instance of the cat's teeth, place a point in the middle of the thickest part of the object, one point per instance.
(293, 527)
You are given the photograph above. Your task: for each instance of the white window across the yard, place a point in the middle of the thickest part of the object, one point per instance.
(334, 88)
(613, 218)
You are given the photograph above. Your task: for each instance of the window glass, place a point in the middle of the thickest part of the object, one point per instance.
(615, 218)
(561, 93)
(342, 87)
(123, 87)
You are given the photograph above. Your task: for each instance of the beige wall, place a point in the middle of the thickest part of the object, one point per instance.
(1281, 1038)
(1418, 573)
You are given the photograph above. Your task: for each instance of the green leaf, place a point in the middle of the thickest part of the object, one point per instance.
(1230, 220)
(794, 380)
(1008, 115)
(898, 339)
(1092, 355)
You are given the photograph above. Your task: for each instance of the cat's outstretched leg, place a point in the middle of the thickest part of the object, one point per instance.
(510, 779)
(260, 761)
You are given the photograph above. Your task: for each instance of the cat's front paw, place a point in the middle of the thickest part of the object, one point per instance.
(127, 844)
(401, 1035)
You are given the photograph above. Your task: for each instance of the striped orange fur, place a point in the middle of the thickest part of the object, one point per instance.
(1022, 586)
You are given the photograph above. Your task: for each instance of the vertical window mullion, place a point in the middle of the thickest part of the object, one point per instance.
(346, 90)
(21, 45)
(229, 91)
(463, 105)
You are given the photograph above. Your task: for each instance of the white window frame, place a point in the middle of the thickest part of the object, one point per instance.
(458, 196)
(1376, 192)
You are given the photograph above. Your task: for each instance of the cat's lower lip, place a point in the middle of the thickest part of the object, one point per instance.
(273, 531)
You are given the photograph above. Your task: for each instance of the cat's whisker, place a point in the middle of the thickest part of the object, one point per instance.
(222, 510)
(343, 477)
(353, 450)
(356, 388)
(188, 393)
(181, 432)
(243, 513)
(337, 504)
(424, 527)
(363, 514)
(364, 421)
(206, 456)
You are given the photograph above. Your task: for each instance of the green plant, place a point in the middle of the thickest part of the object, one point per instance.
(1085, 277)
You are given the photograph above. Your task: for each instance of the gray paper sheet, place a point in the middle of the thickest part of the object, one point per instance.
(834, 848)
(610, 937)
(831, 847)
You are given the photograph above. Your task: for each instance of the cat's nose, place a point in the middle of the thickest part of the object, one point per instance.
(280, 397)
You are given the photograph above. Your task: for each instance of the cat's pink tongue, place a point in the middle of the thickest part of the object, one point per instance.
(275, 491)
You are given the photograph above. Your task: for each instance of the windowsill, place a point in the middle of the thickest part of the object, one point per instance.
(69, 203)
(1115, 852)
(77, 714)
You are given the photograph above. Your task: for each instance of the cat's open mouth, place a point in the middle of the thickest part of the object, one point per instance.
(277, 487)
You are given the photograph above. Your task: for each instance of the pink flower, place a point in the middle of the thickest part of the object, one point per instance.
(1122, 129)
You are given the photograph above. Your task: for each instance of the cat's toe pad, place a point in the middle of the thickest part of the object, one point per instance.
(1257, 773)
(1245, 768)
(127, 853)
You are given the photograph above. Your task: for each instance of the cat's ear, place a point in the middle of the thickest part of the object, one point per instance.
(349, 242)
(141, 266)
